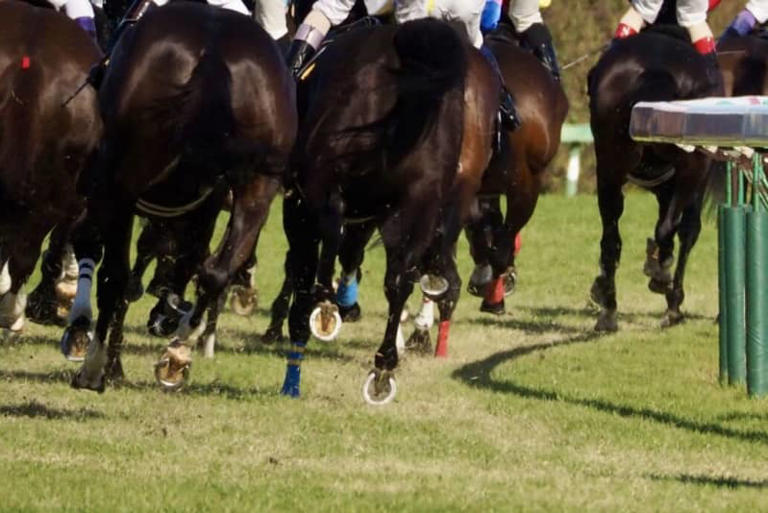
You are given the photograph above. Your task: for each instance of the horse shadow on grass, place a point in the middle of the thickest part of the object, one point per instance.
(34, 409)
(718, 481)
(479, 375)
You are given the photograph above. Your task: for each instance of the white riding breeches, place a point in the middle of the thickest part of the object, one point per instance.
(524, 13)
(759, 9)
(689, 12)
(232, 5)
(270, 14)
(74, 8)
(466, 11)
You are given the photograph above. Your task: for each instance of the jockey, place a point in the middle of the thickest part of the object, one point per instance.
(756, 11)
(691, 14)
(328, 13)
(529, 26)
(79, 10)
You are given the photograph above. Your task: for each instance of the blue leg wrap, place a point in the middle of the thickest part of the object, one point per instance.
(292, 382)
(346, 294)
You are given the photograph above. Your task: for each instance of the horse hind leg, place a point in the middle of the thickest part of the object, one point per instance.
(23, 251)
(688, 232)
(603, 292)
(351, 255)
(51, 300)
(280, 306)
(660, 249)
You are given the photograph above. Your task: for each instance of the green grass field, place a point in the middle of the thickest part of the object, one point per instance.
(532, 411)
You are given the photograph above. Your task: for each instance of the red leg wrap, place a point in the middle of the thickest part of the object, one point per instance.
(441, 349)
(494, 292)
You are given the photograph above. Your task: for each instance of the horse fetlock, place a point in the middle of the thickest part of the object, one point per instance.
(419, 342)
(12, 308)
(91, 374)
(603, 291)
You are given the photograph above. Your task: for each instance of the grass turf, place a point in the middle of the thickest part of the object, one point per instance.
(532, 411)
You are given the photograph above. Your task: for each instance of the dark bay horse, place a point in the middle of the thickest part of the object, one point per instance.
(197, 100)
(44, 144)
(397, 129)
(656, 65)
(517, 170)
(744, 64)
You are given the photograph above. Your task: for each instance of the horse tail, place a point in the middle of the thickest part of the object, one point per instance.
(433, 61)
(205, 118)
(19, 111)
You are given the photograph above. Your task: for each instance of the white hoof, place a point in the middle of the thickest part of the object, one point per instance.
(433, 286)
(325, 323)
(379, 388)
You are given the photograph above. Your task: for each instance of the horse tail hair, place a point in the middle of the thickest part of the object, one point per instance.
(206, 119)
(433, 61)
(19, 111)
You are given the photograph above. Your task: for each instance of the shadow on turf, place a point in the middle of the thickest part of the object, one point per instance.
(478, 375)
(719, 481)
(213, 388)
(156, 345)
(34, 409)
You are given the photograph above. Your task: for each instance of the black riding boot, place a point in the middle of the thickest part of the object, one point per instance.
(507, 110)
(298, 54)
(538, 39)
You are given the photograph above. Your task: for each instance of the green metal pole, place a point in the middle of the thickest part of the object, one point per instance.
(733, 226)
(757, 289)
(722, 295)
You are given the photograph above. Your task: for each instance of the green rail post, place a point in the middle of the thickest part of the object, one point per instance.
(722, 294)
(757, 288)
(734, 247)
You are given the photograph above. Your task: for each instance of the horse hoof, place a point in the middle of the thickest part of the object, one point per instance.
(510, 281)
(272, 335)
(659, 286)
(350, 313)
(325, 321)
(479, 280)
(74, 343)
(81, 382)
(114, 372)
(171, 373)
(496, 309)
(379, 388)
(243, 300)
(433, 286)
(671, 318)
(607, 322)
(419, 342)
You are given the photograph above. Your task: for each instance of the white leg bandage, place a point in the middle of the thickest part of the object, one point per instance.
(81, 307)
